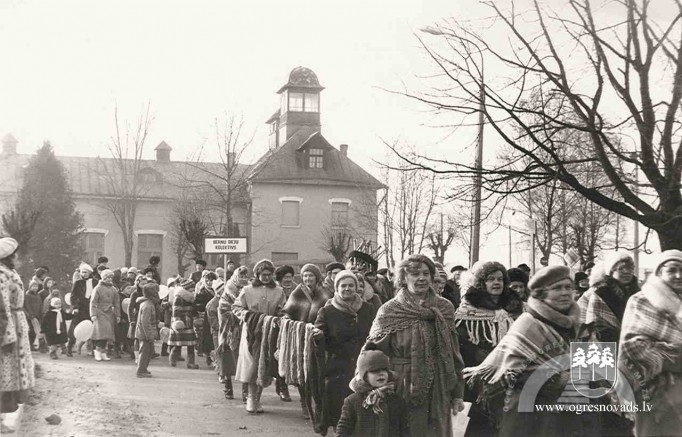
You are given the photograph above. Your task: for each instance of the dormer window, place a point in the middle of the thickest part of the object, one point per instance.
(301, 102)
(315, 158)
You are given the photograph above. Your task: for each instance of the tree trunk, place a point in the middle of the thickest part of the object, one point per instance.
(670, 234)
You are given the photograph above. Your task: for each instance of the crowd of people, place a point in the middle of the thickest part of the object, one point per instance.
(371, 352)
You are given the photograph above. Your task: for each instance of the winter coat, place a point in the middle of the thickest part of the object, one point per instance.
(49, 327)
(212, 316)
(16, 364)
(452, 293)
(358, 421)
(303, 303)
(80, 300)
(344, 336)
(182, 322)
(106, 309)
(45, 307)
(146, 320)
(33, 305)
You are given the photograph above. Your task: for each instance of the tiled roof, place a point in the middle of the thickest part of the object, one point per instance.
(286, 164)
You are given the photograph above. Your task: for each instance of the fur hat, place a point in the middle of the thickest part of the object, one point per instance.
(524, 267)
(107, 274)
(517, 275)
(475, 277)
(609, 263)
(333, 265)
(547, 276)
(85, 267)
(371, 359)
(312, 268)
(187, 284)
(282, 271)
(102, 260)
(200, 262)
(210, 276)
(154, 260)
(579, 277)
(262, 265)
(7, 247)
(343, 274)
(665, 256)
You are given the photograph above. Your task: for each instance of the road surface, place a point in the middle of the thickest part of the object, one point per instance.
(106, 398)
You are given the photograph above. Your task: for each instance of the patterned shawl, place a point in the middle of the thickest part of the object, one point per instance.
(429, 354)
(486, 321)
(529, 343)
(266, 361)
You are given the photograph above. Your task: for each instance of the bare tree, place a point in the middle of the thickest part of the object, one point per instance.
(123, 178)
(581, 67)
(190, 228)
(337, 242)
(441, 237)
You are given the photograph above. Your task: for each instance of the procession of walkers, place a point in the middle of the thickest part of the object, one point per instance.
(368, 351)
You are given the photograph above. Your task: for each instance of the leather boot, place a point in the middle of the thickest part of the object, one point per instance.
(229, 394)
(173, 357)
(190, 362)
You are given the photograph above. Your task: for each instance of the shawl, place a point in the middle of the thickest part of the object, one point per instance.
(301, 359)
(483, 324)
(254, 331)
(229, 331)
(88, 288)
(429, 354)
(303, 304)
(267, 350)
(530, 343)
(283, 347)
(59, 319)
(351, 308)
(651, 337)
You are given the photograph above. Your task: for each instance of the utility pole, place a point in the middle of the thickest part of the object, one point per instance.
(478, 179)
(635, 235)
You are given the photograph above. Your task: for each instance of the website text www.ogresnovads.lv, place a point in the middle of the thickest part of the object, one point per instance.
(594, 408)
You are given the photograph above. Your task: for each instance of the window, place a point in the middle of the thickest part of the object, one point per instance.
(93, 247)
(296, 102)
(279, 257)
(339, 215)
(290, 213)
(149, 245)
(311, 102)
(315, 158)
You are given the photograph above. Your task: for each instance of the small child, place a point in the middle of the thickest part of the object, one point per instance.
(145, 330)
(32, 307)
(374, 410)
(54, 326)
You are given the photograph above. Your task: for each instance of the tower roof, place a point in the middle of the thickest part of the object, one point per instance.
(9, 138)
(302, 77)
(163, 146)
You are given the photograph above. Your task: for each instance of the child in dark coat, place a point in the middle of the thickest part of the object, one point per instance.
(53, 326)
(374, 410)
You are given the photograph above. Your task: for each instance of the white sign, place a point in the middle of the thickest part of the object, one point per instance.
(225, 245)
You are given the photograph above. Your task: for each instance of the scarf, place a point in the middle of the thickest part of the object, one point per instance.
(351, 308)
(432, 351)
(375, 396)
(529, 343)
(88, 288)
(59, 319)
(483, 324)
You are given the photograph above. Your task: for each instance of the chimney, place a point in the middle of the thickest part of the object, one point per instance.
(9, 145)
(344, 149)
(163, 152)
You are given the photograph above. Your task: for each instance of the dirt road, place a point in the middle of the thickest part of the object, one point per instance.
(105, 398)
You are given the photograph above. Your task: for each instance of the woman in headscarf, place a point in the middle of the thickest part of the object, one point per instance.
(485, 314)
(344, 321)
(105, 312)
(229, 330)
(539, 337)
(16, 361)
(261, 296)
(651, 347)
(416, 330)
(602, 307)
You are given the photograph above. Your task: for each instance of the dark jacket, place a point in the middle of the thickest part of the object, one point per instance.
(49, 327)
(452, 293)
(79, 301)
(33, 305)
(358, 421)
(616, 296)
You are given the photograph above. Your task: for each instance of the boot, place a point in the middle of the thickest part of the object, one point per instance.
(282, 389)
(250, 405)
(304, 409)
(259, 407)
(245, 392)
(105, 357)
(69, 352)
(117, 353)
(209, 361)
(228, 388)
(190, 362)
(173, 357)
(164, 350)
(98, 355)
(53, 354)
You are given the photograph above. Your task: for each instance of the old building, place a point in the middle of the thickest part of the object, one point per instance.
(297, 197)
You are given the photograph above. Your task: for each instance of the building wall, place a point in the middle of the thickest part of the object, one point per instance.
(268, 235)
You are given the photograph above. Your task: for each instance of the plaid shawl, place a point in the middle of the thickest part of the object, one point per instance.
(529, 344)
(230, 330)
(429, 354)
(266, 361)
(651, 336)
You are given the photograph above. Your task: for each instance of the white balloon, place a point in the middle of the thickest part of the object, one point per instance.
(163, 291)
(67, 298)
(125, 304)
(164, 334)
(83, 331)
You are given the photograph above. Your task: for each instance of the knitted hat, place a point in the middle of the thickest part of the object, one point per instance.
(517, 275)
(312, 268)
(187, 284)
(547, 276)
(55, 301)
(282, 271)
(264, 264)
(334, 265)
(665, 256)
(85, 267)
(610, 261)
(107, 274)
(343, 274)
(579, 277)
(371, 359)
